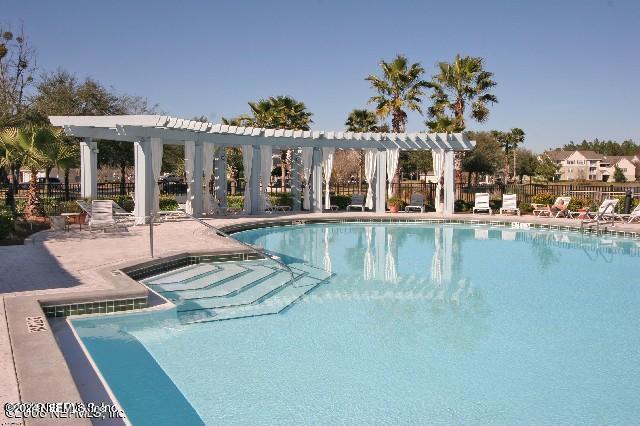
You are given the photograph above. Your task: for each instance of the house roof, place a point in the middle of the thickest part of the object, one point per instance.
(558, 155)
(615, 159)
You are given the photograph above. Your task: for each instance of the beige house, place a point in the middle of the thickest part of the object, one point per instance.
(589, 165)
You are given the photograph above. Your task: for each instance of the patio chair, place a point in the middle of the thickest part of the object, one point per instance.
(269, 207)
(120, 214)
(634, 215)
(181, 212)
(510, 204)
(545, 210)
(102, 215)
(606, 211)
(481, 203)
(357, 202)
(417, 202)
(85, 207)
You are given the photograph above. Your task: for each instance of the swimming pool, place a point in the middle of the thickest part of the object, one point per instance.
(416, 323)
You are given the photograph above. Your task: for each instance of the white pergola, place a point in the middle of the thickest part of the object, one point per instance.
(312, 154)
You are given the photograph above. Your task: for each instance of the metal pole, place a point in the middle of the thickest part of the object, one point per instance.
(151, 234)
(627, 202)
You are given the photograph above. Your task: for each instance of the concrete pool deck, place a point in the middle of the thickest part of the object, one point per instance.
(57, 265)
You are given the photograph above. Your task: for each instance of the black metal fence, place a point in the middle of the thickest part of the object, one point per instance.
(465, 192)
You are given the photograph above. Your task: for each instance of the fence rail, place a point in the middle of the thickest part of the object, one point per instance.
(465, 192)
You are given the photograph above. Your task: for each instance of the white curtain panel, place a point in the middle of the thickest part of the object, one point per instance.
(156, 155)
(208, 150)
(438, 168)
(307, 158)
(247, 161)
(327, 167)
(370, 161)
(266, 163)
(189, 164)
(392, 165)
(449, 178)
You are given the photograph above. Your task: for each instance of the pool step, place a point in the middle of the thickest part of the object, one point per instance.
(223, 274)
(254, 275)
(310, 271)
(267, 285)
(182, 274)
(273, 305)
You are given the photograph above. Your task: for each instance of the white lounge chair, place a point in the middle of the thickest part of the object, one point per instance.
(417, 202)
(606, 211)
(357, 202)
(544, 210)
(102, 215)
(634, 215)
(481, 203)
(510, 204)
(120, 214)
(269, 207)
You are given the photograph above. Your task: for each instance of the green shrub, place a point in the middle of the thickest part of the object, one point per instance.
(235, 202)
(396, 202)
(167, 203)
(525, 208)
(7, 222)
(342, 201)
(544, 198)
(620, 206)
(462, 206)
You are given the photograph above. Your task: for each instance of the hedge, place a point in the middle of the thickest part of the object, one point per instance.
(7, 222)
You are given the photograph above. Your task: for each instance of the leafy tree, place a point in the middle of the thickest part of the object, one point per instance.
(618, 175)
(458, 84)
(547, 169)
(485, 158)
(609, 147)
(30, 145)
(526, 163)
(361, 120)
(399, 88)
(509, 142)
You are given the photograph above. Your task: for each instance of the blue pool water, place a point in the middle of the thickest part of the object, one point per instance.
(417, 324)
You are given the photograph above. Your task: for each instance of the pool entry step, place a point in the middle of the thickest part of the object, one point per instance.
(227, 290)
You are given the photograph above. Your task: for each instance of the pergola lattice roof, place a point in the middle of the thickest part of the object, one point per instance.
(177, 130)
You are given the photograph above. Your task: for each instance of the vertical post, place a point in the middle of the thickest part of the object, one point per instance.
(88, 168)
(220, 177)
(449, 181)
(296, 181)
(316, 181)
(255, 181)
(381, 181)
(196, 190)
(144, 180)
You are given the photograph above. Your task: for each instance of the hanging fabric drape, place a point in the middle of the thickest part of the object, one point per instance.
(438, 168)
(189, 164)
(208, 150)
(392, 165)
(247, 161)
(327, 167)
(266, 162)
(370, 162)
(307, 158)
(156, 155)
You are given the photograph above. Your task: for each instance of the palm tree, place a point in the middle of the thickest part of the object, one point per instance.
(29, 145)
(361, 120)
(400, 88)
(62, 154)
(509, 141)
(281, 112)
(458, 84)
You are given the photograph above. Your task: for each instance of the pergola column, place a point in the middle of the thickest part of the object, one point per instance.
(143, 180)
(254, 182)
(449, 181)
(198, 167)
(88, 168)
(381, 181)
(220, 177)
(316, 181)
(296, 181)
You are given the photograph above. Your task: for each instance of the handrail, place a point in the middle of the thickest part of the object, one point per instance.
(263, 254)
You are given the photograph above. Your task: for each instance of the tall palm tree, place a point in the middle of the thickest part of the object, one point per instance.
(458, 84)
(400, 88)
(30, 146)
(281, 112)
(509, 142)
(361, 120)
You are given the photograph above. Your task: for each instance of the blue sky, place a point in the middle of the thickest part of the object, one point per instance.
(566, 70)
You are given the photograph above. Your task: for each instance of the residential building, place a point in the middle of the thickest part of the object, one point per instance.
(589, 165)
